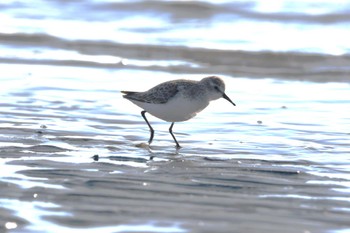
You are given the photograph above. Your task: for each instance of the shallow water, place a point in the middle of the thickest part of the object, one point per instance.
(74, 154)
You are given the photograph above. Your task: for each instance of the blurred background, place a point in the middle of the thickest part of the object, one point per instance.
(305, 40)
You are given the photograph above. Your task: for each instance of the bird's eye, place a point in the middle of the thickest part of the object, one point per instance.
(217, 88)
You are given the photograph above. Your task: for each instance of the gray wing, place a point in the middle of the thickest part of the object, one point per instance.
(159, 94)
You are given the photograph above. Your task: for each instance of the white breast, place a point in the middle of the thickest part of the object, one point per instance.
(176, 109)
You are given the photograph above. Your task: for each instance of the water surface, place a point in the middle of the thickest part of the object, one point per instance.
(74, 154)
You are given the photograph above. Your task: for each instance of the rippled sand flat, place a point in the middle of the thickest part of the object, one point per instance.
(74, 155)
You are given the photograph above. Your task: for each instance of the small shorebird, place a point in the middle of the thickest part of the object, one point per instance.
(177, 100)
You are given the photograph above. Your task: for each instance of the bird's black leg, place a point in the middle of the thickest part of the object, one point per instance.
(149, 125)
(171, 132)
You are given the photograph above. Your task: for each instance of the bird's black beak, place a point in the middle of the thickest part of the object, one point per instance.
(228, 99)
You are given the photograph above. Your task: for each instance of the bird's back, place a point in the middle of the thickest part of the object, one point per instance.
(161, 93)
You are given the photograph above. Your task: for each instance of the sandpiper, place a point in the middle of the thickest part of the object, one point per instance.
(177, 100)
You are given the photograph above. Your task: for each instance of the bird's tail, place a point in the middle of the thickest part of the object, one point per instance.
(128, 92)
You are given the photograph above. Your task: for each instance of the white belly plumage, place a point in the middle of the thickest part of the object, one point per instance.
(175, 110)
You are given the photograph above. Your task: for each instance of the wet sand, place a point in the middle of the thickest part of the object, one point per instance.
(82, 162)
